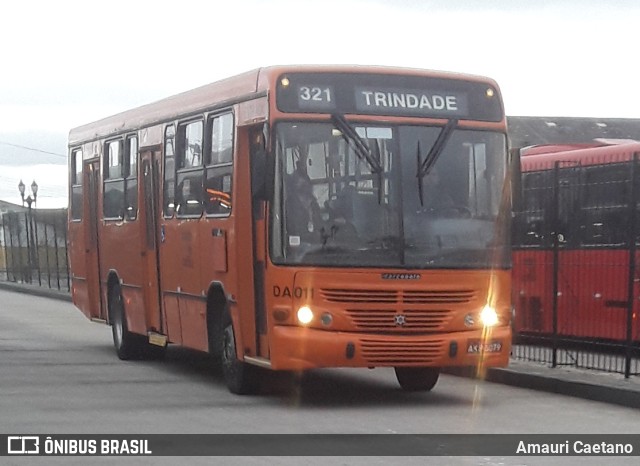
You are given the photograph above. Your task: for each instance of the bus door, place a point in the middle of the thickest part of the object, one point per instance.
(150, 162)
(92, 250)
(258, 172)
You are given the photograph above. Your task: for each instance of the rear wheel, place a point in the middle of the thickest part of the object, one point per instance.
(414, 379)
(241, 378)
(128, 345)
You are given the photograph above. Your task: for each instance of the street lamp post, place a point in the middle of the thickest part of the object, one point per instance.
(31, 244)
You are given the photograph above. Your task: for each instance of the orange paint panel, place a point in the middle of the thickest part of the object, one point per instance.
(134, 309)
(194, 322)
(172, 319)
(80, 296)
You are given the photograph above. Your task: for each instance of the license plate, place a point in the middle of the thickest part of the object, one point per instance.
(476, 346)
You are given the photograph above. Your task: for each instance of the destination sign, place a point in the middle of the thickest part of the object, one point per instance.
(410, 102)
(392, 95)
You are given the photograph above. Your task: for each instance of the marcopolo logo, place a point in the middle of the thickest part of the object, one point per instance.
(23, 445)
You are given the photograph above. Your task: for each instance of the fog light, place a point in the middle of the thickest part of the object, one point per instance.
(469, 321)
(488, 316)
(326, 319)
(305, 315)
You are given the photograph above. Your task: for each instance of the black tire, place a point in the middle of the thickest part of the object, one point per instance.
(417, 379)
(240, 377)
(128, 345)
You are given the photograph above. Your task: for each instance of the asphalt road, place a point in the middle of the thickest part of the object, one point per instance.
(59, 375)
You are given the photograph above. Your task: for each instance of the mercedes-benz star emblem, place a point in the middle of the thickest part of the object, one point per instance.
(400, 320)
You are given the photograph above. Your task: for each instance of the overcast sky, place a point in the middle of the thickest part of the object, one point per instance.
(66, 63)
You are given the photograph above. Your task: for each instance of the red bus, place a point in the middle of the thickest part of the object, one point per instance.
(287, 219)
(575, 241)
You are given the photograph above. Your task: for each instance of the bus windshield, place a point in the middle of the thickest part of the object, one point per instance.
(334, 207)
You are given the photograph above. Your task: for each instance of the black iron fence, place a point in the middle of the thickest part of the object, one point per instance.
(33, 248)
(576, 282)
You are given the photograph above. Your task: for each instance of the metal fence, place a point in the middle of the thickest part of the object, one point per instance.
(576, 284)
(33, 248)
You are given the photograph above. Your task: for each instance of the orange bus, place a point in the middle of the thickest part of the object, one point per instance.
(291, 218)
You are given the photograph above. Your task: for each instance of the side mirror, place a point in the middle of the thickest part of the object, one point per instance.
(259, 174)
(261, 166)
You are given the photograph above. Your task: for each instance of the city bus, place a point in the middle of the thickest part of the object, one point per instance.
(575, 241)
(293, 218)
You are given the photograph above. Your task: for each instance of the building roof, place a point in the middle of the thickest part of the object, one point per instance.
(530, 131)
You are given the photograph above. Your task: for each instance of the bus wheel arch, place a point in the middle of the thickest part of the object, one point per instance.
(240, 377)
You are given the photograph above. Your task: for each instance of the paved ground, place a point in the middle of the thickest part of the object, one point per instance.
(587, 384)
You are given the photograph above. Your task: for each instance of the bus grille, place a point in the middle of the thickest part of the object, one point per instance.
(390, 353)
(359, 296)
(341, 295)
(437, 296)
(411, 319)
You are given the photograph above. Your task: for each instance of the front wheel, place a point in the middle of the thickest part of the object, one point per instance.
(241, 378)
(414, 379)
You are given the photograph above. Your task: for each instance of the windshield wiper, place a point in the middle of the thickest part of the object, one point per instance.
(424, 166)
(360, 148)
(358, 144)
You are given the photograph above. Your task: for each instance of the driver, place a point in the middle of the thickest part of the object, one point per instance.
(303, 211)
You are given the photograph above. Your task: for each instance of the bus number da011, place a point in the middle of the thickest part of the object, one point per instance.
(297, 292)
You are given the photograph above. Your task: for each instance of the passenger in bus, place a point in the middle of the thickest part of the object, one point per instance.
(302, 209)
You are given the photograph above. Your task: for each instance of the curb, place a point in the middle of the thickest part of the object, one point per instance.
(622, 392)
(36, 291)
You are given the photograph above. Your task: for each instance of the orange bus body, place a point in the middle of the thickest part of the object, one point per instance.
(167, 234)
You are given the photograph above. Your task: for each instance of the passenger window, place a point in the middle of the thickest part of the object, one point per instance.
(76, 185)
(189, 177)
(169, 172)
(219, 170)
(131, 190)
(114, 183)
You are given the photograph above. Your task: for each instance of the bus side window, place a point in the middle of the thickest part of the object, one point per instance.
(606, 205)
(113, 205)
(131, 181)
(219, 170)
(189, 178)
(169, 172)
(533, 223)
(76, 184)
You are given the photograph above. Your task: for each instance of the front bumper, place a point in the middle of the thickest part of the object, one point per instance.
(298, 348)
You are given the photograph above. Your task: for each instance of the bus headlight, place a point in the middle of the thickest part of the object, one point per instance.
(305, 315)
(488, 316)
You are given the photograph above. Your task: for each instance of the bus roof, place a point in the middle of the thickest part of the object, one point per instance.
(228, 91)
(601, 151)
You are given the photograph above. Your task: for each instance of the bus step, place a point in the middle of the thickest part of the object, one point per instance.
(100, 321)
(262, 362)
(157, 339)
